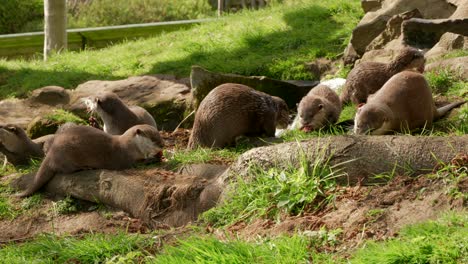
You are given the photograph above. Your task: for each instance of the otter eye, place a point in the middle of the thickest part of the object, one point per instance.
(11, 129)
(98, 101)
(320, 106)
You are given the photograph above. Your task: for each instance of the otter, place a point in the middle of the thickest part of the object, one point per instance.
(319, 108)
(231, 110)
(85, 147)
(368, 77)
(18, 148)
(117, 116)
(404, 103)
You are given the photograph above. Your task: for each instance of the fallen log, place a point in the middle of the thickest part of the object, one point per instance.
(165, 198)
(360, 157)
(160, 198)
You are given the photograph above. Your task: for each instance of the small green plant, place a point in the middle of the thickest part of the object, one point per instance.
(323, 237)
(31, 201)
(374, 214)
(440, 81)
(269, 193)
(453, 173)
(65, 206)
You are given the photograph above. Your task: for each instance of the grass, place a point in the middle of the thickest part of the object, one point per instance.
(442, 241)
(270, 42)
(62, 116)
(204, 155)
(91, 248)
(277, 191)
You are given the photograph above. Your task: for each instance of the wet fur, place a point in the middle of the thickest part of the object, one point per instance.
(84, 147)
(231, 110)
(116, 115)
(319, 108)
(368, 77)
(404, 103)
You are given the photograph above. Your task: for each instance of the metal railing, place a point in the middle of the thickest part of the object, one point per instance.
(27, 44)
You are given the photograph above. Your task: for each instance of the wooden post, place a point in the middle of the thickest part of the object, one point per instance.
(220, 7)
(55, 26)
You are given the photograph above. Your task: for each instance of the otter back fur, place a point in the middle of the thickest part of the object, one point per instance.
(368, 77)
(116, 115)
(319, 108)
(84, 147)
(231, 110)
(403, 104)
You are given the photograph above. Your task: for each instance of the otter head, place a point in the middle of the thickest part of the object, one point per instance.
(104, 104)
(146, 139)
(282, 113)
(409, 58)
(371, 119)
(311, 113)
(13, 138)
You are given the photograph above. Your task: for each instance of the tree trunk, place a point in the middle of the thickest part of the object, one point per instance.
(55, 26)
(360, 157)
(220, 7)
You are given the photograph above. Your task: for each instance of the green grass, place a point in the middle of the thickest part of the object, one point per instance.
(443, 241)
(211, 250)
(270, 193)
(91, 248)
(271, 42)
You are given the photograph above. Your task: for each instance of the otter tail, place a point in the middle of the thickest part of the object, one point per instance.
(43, 175)
(445, 109)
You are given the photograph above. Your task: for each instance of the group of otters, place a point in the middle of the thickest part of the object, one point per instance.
(390, 97)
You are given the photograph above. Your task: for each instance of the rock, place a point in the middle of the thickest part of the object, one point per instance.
(392, 30)
(319, 67)
(166, 100)
(447, 43)
(371, 5)
(459, 66)
(20, 112)
(203, 81)
(374, 23)
(50, 95)
(48, 123)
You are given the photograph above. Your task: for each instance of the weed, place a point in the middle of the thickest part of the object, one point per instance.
(62, 116)
(453, 174)
(31, 201)
(440, 81)
(276, 191)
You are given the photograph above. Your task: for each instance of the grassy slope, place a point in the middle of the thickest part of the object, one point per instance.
(274, 42)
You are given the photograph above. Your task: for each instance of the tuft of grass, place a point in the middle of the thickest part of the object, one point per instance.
(91, 248)
(276, 191)
(442, 241)
(204, 155)
(67, 205)
(453, 174)
(271, 42)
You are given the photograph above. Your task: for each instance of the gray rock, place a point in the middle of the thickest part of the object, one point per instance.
(459, 66)
(50, 95)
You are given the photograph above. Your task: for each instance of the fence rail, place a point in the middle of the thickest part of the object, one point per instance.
(27, 44)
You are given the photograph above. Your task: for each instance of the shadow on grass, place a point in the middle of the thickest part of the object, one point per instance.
(268, 54)
(13, 83)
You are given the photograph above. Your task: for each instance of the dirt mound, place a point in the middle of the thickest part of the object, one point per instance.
(366, 212)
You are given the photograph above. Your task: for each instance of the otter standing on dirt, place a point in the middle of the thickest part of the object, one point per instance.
(402, 104)
(319, 108)
(84, 147)
(368, 77)
(231, 110)
(17, 146)
(117, 116)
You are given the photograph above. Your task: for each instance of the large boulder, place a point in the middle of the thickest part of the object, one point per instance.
(166, 100)
(458, 66)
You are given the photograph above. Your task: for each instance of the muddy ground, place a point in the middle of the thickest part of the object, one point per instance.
(359, 212)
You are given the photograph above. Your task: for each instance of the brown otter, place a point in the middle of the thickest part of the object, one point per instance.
(117, 116)
(368, 77)
(320, 107)
(231, 110)
(402, 104)
(17, 146)
(84, 147)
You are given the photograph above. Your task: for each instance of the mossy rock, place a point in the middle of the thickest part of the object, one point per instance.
(49, 123)
(169, 114)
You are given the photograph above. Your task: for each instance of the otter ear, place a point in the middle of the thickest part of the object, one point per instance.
(12, 129)
(360, 105)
